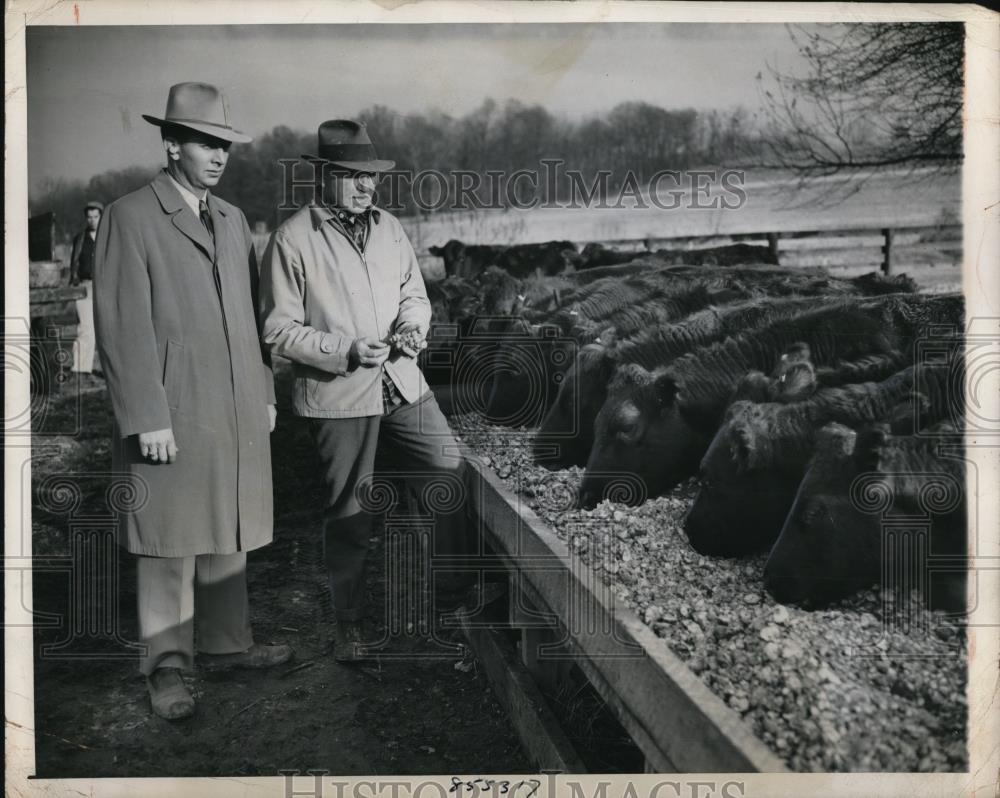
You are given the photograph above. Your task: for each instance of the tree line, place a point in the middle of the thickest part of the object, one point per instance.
(872, 97)
(634, 137)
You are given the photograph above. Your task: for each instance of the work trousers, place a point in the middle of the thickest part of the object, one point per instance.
(424, 453)
(85, 346)
(174, 591)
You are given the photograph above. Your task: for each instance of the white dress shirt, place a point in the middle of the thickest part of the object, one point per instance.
(193, 200)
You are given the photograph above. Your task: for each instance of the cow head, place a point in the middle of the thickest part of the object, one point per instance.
(528, 363)
(568, 427)
(453, 254)
(742, 498)
(827, 548)
(640, 437)
(499, 291)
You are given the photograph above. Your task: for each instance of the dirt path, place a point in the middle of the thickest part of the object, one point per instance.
(412, 712)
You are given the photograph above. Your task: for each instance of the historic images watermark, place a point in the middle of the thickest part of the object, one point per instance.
(312, 783)
(550, 186)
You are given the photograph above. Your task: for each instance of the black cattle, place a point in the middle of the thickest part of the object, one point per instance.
(466, 260)
(657, 425)
(755, 462)
(453, 299)
(591, 275)
(839, 538)
(520, 260)
(526, 376)
(528, 373)
(728, 255)
(552, 257)
(566, 434)
(596, 255)
(533, 297)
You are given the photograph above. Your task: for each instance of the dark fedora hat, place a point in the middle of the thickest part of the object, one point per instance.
(201, 107)
(345, 143)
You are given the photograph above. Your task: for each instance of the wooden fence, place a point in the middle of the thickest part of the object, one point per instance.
(857, 246)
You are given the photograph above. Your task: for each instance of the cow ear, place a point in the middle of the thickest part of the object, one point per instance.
(665, 390)
(436, 251)
(797, 380)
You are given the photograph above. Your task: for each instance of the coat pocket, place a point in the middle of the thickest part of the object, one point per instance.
(173, 374)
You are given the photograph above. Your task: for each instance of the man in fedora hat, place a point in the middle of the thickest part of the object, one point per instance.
(342, 297)
(175, 283)
(81, 272)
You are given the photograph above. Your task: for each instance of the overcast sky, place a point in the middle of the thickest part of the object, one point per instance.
(88, 86)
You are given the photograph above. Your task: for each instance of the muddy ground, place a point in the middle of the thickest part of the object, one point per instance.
(422, 708)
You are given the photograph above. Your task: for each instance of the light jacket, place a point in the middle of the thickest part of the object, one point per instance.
(177, 332)
(319, 293)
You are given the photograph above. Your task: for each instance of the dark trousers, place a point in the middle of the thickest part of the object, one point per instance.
(417, 438)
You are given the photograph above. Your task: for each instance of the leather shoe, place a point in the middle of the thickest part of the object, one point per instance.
(169, 695)
(257, 656)
(349, 645)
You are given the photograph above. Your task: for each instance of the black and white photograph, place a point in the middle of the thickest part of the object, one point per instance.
(590, 399)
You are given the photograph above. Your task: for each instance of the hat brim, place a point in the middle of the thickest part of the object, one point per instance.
(217, 131)
(355, 166)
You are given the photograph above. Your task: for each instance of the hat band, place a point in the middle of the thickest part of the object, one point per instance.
(347, 152)
(185, 121)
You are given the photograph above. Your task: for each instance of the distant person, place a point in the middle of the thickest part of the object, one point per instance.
(81, 273)
(193, 399)
(342, 297)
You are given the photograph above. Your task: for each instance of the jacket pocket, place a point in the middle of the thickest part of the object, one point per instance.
(318, 389)
(173, 374)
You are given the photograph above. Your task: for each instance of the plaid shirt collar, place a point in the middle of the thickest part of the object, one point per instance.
(325, 213)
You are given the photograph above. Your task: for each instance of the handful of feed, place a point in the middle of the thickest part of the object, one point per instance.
(409, 339)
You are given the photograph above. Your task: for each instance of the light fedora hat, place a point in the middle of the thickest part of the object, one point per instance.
(345, 143)
(201, 107)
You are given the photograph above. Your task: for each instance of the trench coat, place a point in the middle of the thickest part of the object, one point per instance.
(180, 347)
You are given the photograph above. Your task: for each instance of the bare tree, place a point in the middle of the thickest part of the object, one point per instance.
(876, 96)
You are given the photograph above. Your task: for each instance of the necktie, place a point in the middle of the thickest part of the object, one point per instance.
(206, 218)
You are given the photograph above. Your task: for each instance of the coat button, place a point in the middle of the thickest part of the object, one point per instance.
(325, 347)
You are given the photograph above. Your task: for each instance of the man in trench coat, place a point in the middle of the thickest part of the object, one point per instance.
(193, 399)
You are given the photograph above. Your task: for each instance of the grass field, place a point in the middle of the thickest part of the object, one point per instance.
(773, 204)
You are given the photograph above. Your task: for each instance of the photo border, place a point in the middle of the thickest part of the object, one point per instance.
(981, 284)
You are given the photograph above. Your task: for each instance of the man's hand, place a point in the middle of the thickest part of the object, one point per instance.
(368, 352)
(272, 415)
(410, 337)
(158, 446)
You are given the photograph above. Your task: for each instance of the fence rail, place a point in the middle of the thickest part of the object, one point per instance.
(882, 246)
(891, 243)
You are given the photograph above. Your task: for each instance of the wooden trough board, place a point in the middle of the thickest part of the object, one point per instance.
(671, 715)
